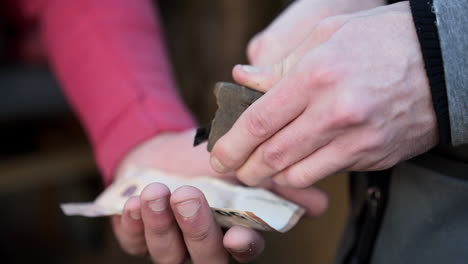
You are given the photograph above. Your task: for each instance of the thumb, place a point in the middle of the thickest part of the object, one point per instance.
(263, 78)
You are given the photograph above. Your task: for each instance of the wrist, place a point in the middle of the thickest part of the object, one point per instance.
(149, 153)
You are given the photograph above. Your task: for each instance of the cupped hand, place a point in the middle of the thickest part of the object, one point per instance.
(294, 24)
(353, 96)
(174, 227)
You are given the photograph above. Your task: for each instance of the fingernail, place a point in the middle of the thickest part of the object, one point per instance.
(188, 208)
(158, 205)
(216, 165)
(135, 215)
(250, 69)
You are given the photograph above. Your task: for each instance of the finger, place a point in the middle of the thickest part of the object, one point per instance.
(264, 49)
(312, 199)
(328, 160)
(163, 238)
(203, 237)
(244, 244)
(265, 77)
(281, 104)
(129, 228)
(288, 146)
(260, 121)
(269, 46)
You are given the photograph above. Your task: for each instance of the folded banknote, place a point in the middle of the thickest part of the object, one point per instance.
(231, 204)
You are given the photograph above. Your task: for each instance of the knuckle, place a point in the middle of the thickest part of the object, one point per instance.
(258, 124)
(131, 233)
(382, 164)
(370, 143)
(261, 43)
(160, 230)
(246, 179)
(375, 141)
(224, 154)
(326, 72)
(274, 158)
(134, 234)
(198, 236)
(347, 114)
(327, 26)
(159, 226)
(296, 178)
(299, 181)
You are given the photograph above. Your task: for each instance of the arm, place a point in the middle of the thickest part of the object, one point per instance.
(111, 61)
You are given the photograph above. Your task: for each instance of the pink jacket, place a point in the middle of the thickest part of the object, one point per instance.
(110, 59)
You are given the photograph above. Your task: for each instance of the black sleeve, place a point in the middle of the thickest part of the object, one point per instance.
(426, 28)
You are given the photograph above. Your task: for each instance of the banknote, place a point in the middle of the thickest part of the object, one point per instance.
(231, 204)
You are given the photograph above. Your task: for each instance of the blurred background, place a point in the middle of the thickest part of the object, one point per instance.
(45, 158)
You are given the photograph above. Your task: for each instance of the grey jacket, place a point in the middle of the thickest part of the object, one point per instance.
(425, 216)
(452, 23)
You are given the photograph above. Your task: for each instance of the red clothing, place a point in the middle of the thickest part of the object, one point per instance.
(110, 58)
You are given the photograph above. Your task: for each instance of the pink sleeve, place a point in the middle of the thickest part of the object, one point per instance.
(110, 58)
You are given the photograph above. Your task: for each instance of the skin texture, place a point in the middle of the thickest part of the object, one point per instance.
(352, 97)
(295, 24)
(168, 237)
(172, 227)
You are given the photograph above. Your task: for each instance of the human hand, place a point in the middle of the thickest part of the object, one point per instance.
(167, 227)
(353, 97)
(294, 24)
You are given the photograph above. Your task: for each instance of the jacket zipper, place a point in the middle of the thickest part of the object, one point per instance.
(370, 218)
